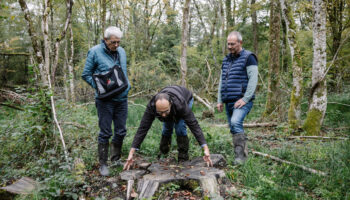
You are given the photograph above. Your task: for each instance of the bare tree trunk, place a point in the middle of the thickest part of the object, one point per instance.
(60, 37)
(70, 65)
(223, 32)
(254, 27)
(34, 38)
(229, 18)
(294, 111)
(318, 103)
(65, 71)
(103, 16)
(47, 46)
(273, 92)
(185, 26)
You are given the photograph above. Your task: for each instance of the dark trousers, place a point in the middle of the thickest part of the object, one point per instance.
(108, 111)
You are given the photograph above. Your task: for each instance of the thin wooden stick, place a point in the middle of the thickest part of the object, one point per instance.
(56, 121)
(318, 137)
(313, 171)
(73, 124)
(267, 124)
(203, 102)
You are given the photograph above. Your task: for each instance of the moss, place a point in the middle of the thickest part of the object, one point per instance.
(293, 121)
(312, 123)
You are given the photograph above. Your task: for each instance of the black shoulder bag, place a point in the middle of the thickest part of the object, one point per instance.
(110, 83)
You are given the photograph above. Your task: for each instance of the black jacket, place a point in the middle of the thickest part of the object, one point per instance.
(179, 99)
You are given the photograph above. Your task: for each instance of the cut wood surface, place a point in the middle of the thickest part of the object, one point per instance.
(24, 185)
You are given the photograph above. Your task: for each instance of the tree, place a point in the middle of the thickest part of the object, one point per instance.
(273, 93)
(318, 95)
(254, 27)
(294, 111)
(185, 26)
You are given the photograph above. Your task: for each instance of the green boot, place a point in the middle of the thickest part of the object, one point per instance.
(182, 147)
(103, 157)
(241, 149)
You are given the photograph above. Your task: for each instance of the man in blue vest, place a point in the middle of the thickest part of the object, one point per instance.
(238, 80)
(101, 58)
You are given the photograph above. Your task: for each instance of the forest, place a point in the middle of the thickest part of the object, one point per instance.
(298, 129)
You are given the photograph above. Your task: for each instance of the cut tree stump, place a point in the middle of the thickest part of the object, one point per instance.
(24, 185)
(158, 173)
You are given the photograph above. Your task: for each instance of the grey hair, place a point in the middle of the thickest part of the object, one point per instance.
(237, 34)
(161, 96)
(113, 31)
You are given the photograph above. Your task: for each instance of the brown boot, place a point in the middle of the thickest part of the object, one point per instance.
(182, 147)
(241, 149)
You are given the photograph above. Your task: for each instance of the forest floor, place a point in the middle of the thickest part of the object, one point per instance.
(258, 178)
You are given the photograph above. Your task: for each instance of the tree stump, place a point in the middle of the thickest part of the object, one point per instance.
(158, 173)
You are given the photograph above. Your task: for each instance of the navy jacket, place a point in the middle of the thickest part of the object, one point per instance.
(234, 76)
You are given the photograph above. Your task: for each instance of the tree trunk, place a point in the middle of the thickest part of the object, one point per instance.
(273, 93)
(71, 66)
(59, 38)
(294, 111)
(38, 55)
(47, 46)
(254, 27)
(229, 18)
(223, 32)
(318, 101)
(183, 59)
(65, 71)
(103, 17)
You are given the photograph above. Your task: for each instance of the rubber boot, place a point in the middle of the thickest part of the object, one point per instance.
(103, 157)
(241, 149)
(182, 147)
(116, 148)
(164, 146)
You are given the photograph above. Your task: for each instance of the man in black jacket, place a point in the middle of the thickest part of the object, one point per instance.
(172, 105)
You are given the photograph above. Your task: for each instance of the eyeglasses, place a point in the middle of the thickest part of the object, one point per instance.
(231, 44)
(115, 42)
(163, 112)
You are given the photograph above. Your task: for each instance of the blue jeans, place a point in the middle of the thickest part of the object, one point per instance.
(107, 112)
(180, 126)
(235, 116)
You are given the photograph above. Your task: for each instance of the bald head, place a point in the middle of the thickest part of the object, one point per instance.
(162, 104)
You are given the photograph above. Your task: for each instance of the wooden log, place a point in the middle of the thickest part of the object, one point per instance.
(313, 171)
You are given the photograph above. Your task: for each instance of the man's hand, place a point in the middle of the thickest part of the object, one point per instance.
(239, 104)
(220, 107)
(206, 156)
(129, 161)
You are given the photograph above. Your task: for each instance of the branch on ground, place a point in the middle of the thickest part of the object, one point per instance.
(313, 171)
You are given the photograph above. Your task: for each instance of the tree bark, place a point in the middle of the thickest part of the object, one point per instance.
(71, 65)
(318, 101)
(294, 111)
(60, 37)
(272, 107)
(185, 26)
(254, 27)
(34, 38)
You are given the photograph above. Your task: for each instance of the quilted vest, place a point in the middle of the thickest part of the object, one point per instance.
(234, 77)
